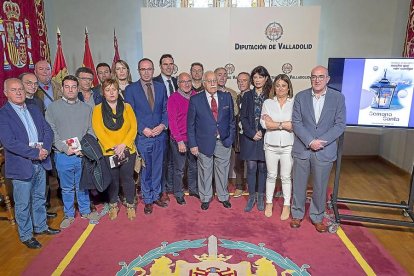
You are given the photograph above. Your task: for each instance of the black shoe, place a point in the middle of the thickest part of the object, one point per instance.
(49, 231)
(205, 205)
(51, 215)
(180, 200)
(32, 244)
(161, 203)
(194, 195)
(148, 209)
(226, 204)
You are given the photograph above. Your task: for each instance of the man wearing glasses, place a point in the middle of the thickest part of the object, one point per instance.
(86, 94)
(148, 99)
(30, 85)
(48, 90)
(211, 131)
(318, 119)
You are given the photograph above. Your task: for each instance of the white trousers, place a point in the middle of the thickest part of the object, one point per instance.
(273, 156)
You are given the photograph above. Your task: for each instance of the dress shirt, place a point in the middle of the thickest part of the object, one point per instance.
(144, 86)
(167, 85)
(27, 121)
(208, 95)
(49, 91)
(318, 102)
(271, 107)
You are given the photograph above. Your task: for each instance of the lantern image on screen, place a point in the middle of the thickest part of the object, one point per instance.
(384, 91)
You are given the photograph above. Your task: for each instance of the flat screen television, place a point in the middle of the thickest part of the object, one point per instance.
(378, 91)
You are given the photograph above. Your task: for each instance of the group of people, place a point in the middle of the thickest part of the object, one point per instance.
(188, 125)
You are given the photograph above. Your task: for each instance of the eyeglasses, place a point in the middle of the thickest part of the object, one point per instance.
(319, 78)
(86, 79)
(146, 69)
(211, 81)
(30, 83)
(186, 82)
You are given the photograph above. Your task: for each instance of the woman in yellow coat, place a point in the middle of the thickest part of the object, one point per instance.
(115, 127)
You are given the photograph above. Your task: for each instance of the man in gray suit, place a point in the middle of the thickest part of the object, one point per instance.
(318, 120)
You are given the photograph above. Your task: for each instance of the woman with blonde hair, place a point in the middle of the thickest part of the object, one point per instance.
(115, 126)
(122, 74)
(277, 120)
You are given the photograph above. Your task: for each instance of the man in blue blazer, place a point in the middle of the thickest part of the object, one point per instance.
(318, 119)
(211, 132)
(170, 82)
(27, 140)
(149, 102)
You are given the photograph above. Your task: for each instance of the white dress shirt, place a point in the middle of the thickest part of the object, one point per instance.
(279, 138)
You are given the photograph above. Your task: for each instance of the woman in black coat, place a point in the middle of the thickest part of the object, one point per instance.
(251, 142)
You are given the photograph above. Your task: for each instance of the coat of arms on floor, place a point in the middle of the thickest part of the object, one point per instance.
(264, 262)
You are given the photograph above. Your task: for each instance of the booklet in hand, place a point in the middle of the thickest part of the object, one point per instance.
(73, 143)
(115, 161)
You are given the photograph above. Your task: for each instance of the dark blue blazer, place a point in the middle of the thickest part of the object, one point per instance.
(97, 98)
(15, 141)
(147, 118)
(249, 148)
(160, 80)
(202, 127)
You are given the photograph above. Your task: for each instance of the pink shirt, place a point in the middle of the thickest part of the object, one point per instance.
(177, 109)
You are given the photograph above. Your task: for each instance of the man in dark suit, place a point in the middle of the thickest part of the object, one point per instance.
(149, 102)
(103, 71)
(211, 131)
(318, 119)
(27, 140)
(170, 82)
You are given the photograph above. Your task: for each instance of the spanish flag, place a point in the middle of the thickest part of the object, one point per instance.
(116, 55)
(87, 59)
(59, 67)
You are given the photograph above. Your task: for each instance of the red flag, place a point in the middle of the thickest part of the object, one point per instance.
(116, 55)
(59, 67)
(409, 37)
(87, 59)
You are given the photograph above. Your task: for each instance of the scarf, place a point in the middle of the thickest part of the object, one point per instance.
(113, 121)
(185, 95)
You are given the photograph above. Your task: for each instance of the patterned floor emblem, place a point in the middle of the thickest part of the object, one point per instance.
(155, 262)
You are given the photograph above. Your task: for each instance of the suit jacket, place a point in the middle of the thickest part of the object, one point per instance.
(98, 89)
(160, 80)
(37, 102)
(202, 127)
(331, 125)
(57, 91)
(249, 148)
(147, 118)
(13, 136)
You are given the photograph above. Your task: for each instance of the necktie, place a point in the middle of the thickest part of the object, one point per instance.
(150, 96)
(170, 86)
(46, 87)
(214, 107)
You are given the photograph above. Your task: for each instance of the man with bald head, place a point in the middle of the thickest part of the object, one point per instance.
(48, 90)
(211, 131)
(318, 119)
(27, 140)
(177, 109)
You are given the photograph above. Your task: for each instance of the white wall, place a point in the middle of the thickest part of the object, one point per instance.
(349, 28)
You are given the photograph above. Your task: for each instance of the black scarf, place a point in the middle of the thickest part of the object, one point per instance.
(113, 121)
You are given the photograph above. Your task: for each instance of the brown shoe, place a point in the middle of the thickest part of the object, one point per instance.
(113, 211)
(269, 210)
(161, 203)
(295, 223)
(165, 197)
(148, 209)
(131, 211)
(320, 227)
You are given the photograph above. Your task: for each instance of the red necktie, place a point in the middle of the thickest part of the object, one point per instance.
(214, 107)
(46, 87)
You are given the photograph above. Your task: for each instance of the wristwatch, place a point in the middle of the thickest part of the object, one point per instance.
(280, 126)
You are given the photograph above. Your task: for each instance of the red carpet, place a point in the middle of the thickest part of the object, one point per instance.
(113, 244)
